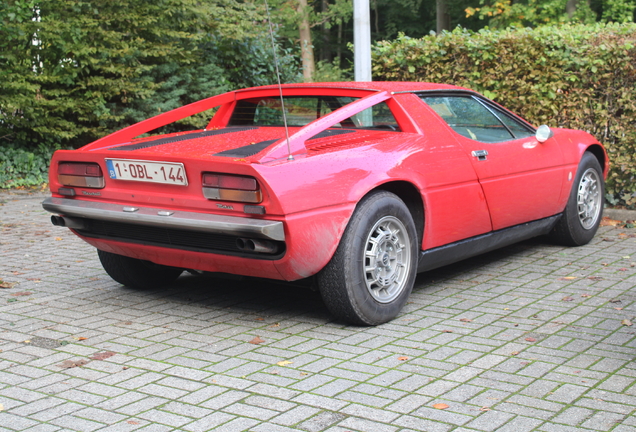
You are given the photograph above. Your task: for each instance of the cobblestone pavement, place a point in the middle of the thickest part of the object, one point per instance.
(533, 337)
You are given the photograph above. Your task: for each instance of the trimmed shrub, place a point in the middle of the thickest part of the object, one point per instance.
(579, 77)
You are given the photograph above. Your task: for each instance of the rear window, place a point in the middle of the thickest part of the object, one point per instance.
(302, 110)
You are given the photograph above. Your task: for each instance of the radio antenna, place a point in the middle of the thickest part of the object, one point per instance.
(280, 87)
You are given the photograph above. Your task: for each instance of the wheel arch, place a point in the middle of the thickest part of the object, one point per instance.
(411, 196)
(600, 155)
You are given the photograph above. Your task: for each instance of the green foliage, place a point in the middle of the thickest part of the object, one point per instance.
(579, 77)
(502, 14)
(73, 71)
(20, 167)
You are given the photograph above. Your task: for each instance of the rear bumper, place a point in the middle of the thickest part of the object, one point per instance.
(190, 221)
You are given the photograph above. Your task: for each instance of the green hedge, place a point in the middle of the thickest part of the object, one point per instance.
(579, 77)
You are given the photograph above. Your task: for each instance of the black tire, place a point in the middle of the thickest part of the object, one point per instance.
(371, 275)
(584, 209)
(136, 273)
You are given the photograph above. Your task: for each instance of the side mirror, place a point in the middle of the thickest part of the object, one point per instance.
(544, 133)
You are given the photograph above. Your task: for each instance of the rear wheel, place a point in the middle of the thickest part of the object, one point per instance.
(371, 275)
(136, 273)
(584, 209)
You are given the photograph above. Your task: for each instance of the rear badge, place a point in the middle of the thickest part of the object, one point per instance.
(225, 207)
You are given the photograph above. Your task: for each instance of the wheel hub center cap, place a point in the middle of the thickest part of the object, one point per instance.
(385, 259)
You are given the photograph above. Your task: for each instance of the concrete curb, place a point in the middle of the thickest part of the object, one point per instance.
(620, 214)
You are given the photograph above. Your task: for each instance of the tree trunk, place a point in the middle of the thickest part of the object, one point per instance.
(443, 18)
(570, 7)
(326, 53)
(306, 47)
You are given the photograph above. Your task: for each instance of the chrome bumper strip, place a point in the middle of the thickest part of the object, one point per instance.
(190, 221)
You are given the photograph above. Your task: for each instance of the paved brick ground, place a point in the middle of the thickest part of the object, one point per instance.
(528, 338)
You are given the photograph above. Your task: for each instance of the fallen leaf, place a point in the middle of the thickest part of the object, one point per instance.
(595, 278)
(569, 278)
(4, 284)
(12, 300)
(1, 407)
(585, 295)
(102, 355)
(606, 221)
(403, 358)
(68, 364)
(58, 238)
(485, 408)
(260, 319)
(622, 269)
(284, 363)
(514, 353)
(618, 308)
(132, 422)
(22, 293)
(530, 339)
(615, 300)
(275, 325)
(441, 406)
(567, 299)
(466, 320)
(80, 338)
(257, 341)
(626, 322)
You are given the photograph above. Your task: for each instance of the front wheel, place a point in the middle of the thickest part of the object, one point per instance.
(371, 275)
(584, 209)
(136, 273)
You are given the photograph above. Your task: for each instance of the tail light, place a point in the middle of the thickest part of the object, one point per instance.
(80, 174)
(230, 187)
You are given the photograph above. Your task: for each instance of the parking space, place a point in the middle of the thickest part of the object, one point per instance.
(533, 337)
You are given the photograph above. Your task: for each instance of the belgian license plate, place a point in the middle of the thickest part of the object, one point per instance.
(147, 171)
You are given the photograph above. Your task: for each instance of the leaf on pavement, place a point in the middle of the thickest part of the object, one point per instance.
(441, 406)
(610, 222)
(531, 339)
(257, 341)
(568, 298)
(403, 358)
(102, 355)
(466, 320)
(4, 284)
(22, 293)
(68, 364)
(284, 363)
(626, 322)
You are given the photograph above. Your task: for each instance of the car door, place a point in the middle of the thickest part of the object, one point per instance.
(521, 178)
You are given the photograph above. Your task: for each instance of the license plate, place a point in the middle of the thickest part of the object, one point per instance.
(146, 171)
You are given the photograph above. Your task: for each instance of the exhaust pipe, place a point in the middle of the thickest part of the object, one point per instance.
(64, 221)
(254, 245)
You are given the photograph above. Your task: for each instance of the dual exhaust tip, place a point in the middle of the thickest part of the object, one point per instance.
(256, 245)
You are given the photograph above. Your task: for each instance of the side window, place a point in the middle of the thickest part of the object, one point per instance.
(470, 118)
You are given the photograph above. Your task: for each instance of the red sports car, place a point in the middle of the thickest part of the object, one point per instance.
(358, 185)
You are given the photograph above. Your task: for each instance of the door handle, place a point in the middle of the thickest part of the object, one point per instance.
(480, 154)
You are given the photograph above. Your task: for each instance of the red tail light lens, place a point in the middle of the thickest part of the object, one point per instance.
(230, 187)
(80, 174)
(79, 169)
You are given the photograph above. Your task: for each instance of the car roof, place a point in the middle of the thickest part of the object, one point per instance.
(390, 86)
